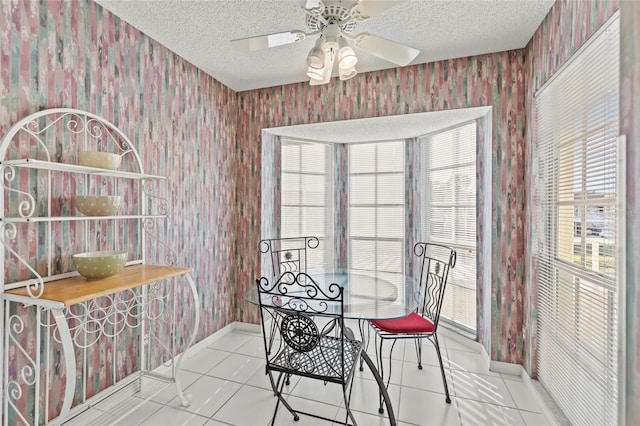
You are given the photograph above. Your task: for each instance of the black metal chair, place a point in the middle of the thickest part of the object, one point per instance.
(436, 261)
(288, 254)
(304, 335)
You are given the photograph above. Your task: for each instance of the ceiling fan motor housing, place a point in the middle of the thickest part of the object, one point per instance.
(332, 13)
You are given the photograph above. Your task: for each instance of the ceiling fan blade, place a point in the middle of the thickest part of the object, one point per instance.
(365, 9)
(250, 44)
(385, 49)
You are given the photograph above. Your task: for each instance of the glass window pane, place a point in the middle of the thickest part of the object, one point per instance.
(388, 187)
(362, 189)
(362, 222)
(376, 181)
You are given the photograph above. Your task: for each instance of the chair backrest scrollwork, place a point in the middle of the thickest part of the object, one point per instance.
(437, 260)
(288, 254)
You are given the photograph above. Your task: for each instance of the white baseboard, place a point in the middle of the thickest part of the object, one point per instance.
(245, 326)
(518, 370)
(506, 368)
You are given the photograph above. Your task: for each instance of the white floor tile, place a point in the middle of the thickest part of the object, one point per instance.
(395, 370)
(522, 396)
(454, 342)
(478, 387)
(217, 423)
(231, 342)
(365, 396)
(238, 368)
(535, 419)
(429, 378)
(168, 416)
(469, 362)
(126, 407)
(254, 347)
(203, 360)
(261, 380)
(92, 417)
(371, 418)
(140, 415)
(425, 408)
(207, 395)
(249, 406)
(316, 390)
(284, 417)
(162, 392)
(478, 413)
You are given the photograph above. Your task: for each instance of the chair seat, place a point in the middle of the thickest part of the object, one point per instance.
(411, 324)
(323, 361)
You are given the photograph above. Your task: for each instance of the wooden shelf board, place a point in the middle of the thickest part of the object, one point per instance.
(70, 291)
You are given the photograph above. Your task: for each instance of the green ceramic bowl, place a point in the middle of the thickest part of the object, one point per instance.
(100, 264)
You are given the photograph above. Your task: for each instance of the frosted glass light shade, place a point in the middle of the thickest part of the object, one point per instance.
(315, 73)
(347, 73)
(346, 56)
(315, 58)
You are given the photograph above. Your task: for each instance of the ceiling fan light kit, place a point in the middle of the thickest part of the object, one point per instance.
(315, 58)
(332, 23)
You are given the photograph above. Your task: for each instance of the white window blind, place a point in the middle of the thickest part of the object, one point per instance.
(307, 197)
(376, 208)
(449, 214)
(576, 221)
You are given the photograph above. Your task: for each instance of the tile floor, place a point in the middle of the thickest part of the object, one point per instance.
(227, 386)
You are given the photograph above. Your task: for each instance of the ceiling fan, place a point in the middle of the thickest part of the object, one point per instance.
(334, 21)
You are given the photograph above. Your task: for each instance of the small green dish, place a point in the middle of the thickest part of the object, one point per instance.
(100, 264)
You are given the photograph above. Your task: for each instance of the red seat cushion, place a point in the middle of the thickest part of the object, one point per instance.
(412, 323)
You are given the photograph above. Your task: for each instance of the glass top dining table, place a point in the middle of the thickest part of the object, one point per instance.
(367, 295)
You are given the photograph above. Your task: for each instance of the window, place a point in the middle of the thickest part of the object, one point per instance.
(376, 208)
(307, 196)
(449, 214)
(575, 235)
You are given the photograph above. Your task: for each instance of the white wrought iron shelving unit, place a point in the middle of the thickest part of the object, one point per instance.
(47, 308)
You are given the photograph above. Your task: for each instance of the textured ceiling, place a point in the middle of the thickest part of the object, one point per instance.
(200, 31)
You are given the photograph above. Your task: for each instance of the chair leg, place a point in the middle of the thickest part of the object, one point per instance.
(274, 386)
(278, 391)
(380, 363)
(444, 377)
(418, 343)
(347, 404)
(365, 339)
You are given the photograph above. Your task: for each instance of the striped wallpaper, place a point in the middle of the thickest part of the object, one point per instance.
(57, 53)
